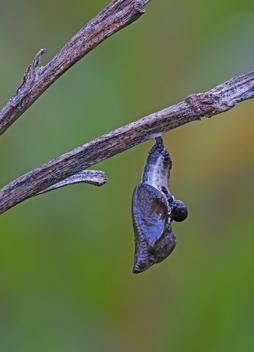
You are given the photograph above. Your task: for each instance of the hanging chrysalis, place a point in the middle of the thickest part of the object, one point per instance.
(153, 210)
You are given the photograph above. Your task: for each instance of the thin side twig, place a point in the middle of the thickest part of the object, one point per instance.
(93, 177)
(117, 15)
(196, 106)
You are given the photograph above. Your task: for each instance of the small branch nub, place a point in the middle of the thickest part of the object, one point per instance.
(31, 75)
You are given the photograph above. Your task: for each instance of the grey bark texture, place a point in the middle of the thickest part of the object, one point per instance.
(118, 14)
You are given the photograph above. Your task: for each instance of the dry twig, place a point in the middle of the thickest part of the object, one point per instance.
(196, 106)
(118, 14)
(93, 177)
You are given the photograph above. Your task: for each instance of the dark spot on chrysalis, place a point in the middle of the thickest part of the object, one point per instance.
(164, 189)
(179, 211)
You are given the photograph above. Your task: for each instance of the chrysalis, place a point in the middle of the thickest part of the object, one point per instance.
(153, 210)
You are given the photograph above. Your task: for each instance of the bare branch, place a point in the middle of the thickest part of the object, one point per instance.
(93, 177)
(118, 14)
(196, 106)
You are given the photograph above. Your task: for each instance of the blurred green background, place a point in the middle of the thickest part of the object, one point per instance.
(66, 257)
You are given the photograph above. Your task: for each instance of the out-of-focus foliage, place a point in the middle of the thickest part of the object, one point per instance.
(66, 281)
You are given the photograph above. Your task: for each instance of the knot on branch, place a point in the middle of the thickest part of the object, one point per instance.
(30, 76)
(138, 7)
(207, 104)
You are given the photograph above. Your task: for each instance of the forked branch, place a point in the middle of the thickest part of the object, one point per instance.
(196, 106)
(118, 14)
(93, 177)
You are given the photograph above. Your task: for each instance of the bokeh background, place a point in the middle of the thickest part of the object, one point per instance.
(66, 257)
